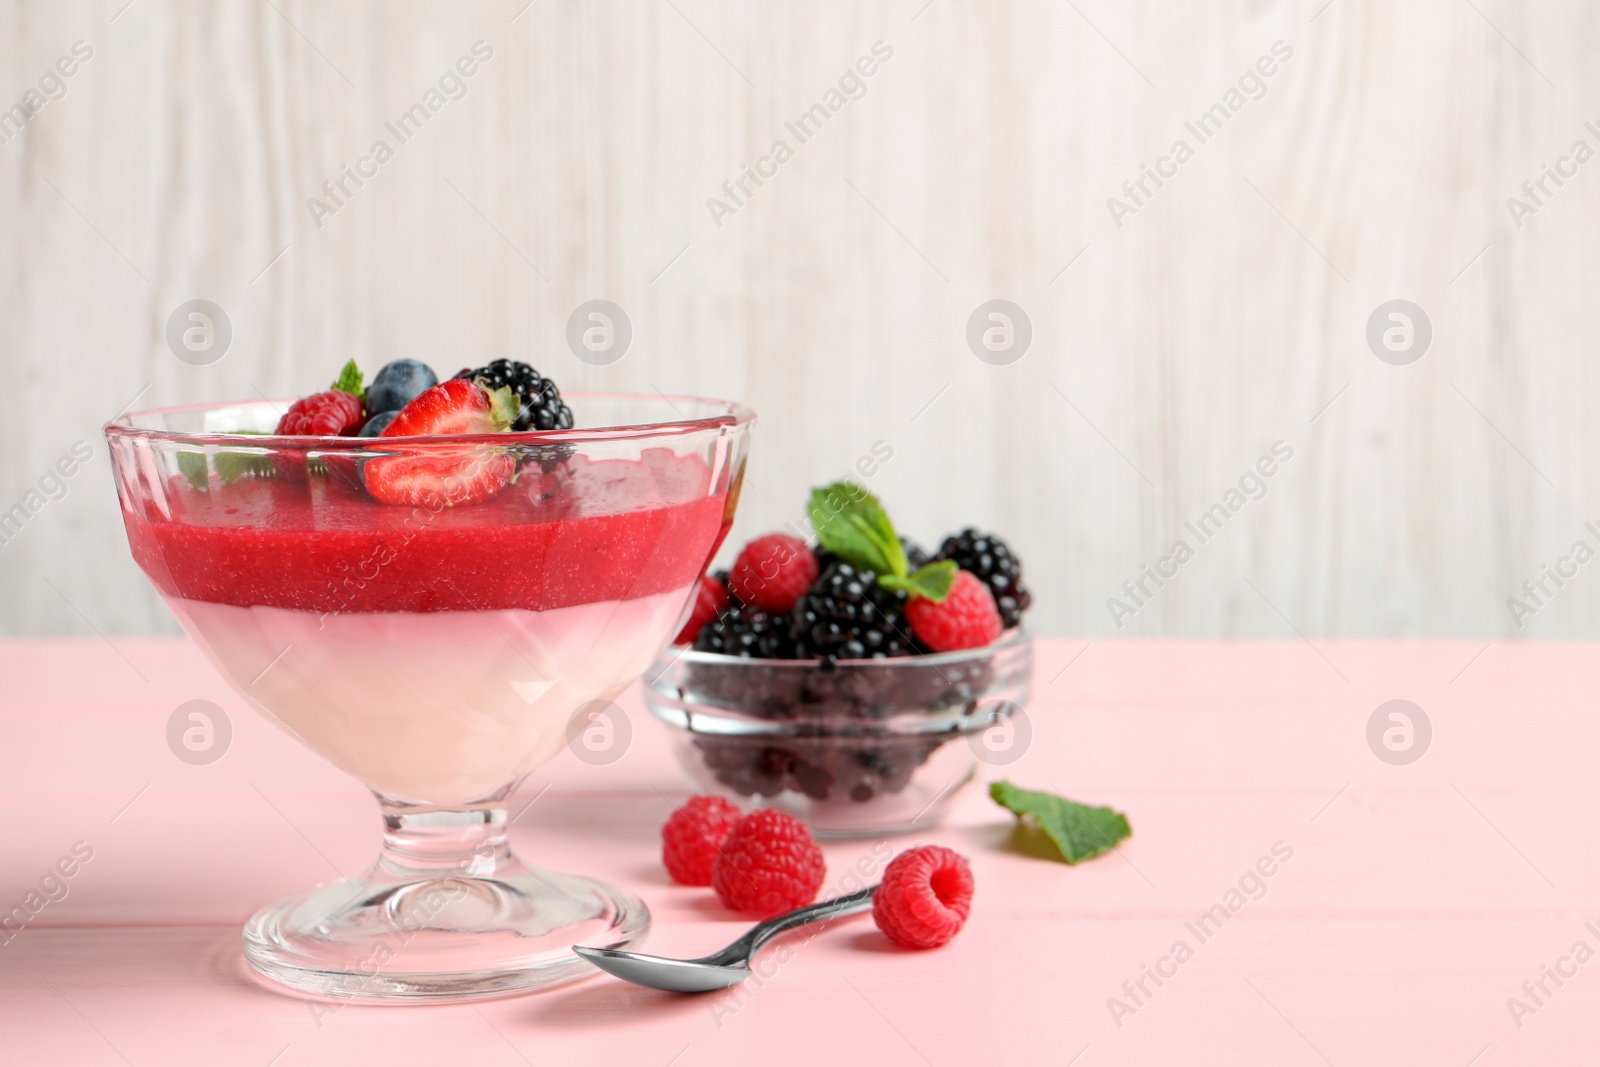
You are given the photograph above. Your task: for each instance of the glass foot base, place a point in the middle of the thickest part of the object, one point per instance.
(381, 938)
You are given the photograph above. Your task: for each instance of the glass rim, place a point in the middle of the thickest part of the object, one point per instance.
(1012, 638)
(733, 414)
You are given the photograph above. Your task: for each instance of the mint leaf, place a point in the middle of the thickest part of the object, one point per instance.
(192, 465)
(231, 465)
(1079, 831)
(197, 466)
(933, 581)
(350, 381)
(852, 525)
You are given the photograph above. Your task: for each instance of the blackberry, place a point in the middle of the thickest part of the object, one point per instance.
(847, 615)
(540, 403)
(916, 556)
(747, 631)
(821, 770)
(992, 560)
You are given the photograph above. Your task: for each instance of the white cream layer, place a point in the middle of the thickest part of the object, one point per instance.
(436, 707)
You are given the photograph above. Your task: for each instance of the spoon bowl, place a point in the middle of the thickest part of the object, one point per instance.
(720, 969)
(659, 972)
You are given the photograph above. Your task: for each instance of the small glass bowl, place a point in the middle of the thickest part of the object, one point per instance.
(854, 748)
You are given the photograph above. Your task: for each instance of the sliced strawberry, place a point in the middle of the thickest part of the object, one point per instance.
(455, 406)
(444, 475)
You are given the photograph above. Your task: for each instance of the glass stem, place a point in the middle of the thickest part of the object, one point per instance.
(439, 842)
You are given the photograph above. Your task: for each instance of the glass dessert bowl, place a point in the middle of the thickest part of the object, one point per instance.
(436, 652)
(855, 748)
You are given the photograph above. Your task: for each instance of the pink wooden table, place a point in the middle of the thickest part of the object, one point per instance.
(1416, 903)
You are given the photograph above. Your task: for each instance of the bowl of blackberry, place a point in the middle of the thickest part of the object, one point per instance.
(848, 681)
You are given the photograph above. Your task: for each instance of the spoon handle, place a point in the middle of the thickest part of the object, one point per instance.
(861, 900)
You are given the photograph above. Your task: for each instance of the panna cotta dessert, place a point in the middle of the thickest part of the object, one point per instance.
(435, 655)
(434, 585)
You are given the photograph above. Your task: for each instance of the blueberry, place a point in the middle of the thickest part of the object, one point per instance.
(376, 424)
(397, 384)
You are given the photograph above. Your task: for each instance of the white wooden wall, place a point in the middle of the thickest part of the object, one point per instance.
(1228, 313)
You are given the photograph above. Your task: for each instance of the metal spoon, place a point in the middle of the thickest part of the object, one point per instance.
(720, 969)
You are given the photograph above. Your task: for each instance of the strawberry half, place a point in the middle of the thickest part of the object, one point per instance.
(443, 475)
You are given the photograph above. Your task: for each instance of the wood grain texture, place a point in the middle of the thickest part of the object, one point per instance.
(1227, 313)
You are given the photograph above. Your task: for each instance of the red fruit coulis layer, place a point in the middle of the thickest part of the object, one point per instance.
(600, 530)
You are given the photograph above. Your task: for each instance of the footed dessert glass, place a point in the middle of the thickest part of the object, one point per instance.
(437, 653)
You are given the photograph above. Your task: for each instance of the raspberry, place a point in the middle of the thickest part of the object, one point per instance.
(967, 618)
(773, 572)
(710, 597)
(329, 414)
(768, 865)
(925, 897)
(995, 565)
(691, 837)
